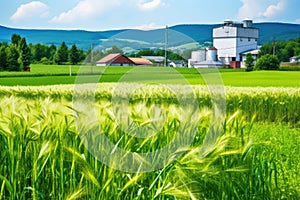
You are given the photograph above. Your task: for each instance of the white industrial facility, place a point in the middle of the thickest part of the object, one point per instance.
(231, 43)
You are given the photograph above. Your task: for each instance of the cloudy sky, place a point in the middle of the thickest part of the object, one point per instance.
(142, 14)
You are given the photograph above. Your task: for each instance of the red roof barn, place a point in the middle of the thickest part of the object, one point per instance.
(115, 59)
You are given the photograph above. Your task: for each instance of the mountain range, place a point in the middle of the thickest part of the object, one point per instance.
(185, 36)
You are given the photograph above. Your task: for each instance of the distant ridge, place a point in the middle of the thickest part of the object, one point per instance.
(133, 38)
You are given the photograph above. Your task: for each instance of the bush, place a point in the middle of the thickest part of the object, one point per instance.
(249, 62)
(268, 62)
(45, 61)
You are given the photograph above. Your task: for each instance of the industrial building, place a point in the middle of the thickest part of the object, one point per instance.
(231, 42)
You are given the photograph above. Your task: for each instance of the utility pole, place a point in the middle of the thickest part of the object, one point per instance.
(91, 58)
(166, 47)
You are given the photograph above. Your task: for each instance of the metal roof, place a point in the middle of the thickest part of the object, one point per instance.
(141, 61)
(109, 58)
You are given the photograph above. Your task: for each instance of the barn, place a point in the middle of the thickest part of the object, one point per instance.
(115, 59)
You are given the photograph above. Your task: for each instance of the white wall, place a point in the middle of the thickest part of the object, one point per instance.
(101, 64)
(198, 56)
(225, 32)
(247, 32)
(226, 48)
(245, 44)
(231, 41)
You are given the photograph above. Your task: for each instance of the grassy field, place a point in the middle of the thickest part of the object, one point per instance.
(55, 74)
(137, 140)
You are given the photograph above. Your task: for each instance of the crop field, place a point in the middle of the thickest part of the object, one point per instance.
(149, 133)
(60, 74)
(149, 141)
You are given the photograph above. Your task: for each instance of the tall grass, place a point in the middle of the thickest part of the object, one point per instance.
(267, 104)
(45, 156)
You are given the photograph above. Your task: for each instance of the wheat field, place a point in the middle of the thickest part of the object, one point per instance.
(95, 144)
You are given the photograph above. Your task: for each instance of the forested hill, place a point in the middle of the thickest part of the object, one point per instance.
(81, 38)
(144, 39)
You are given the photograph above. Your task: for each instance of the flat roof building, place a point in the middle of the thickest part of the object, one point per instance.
(234, 38)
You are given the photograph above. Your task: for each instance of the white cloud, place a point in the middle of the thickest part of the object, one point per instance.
(261, 9)
(30, 10)
(85, 9)
(249, 9)
(149, 5)
(274, 9)
(147, 27)
(91, 9)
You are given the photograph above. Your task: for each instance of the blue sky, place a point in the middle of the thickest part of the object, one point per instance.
(141, 14)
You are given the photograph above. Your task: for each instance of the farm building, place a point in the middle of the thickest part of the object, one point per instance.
(159, 60)
(115, 59)
(254, 54)
(205, 58)
(141, 61)
(118, 59)
(231, 42)
(176, 63)
(234, 38)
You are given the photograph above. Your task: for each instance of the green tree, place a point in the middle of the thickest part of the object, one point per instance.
(82, 55)
(267, 48)
(159, 53)
(52, 50)
(13, 55)
(15, 39)
(283, 49)
(25, 54)
(174, 56)
(268, 62)
(38, 52)
(74, 56)
(249, 62)
(146, 52)
(62, 54)
(45, 61)
(3, 58)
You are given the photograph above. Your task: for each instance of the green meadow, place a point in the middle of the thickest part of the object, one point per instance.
(64, 142)
(60, 74)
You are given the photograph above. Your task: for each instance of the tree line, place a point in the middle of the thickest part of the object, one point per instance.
(284, 49)
(273, 53)
(56, 55)
(18, 55)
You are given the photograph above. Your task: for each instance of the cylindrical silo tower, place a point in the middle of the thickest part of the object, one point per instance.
(212, 54)
(199, 56)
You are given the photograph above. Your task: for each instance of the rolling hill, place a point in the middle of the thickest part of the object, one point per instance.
(179, 36)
